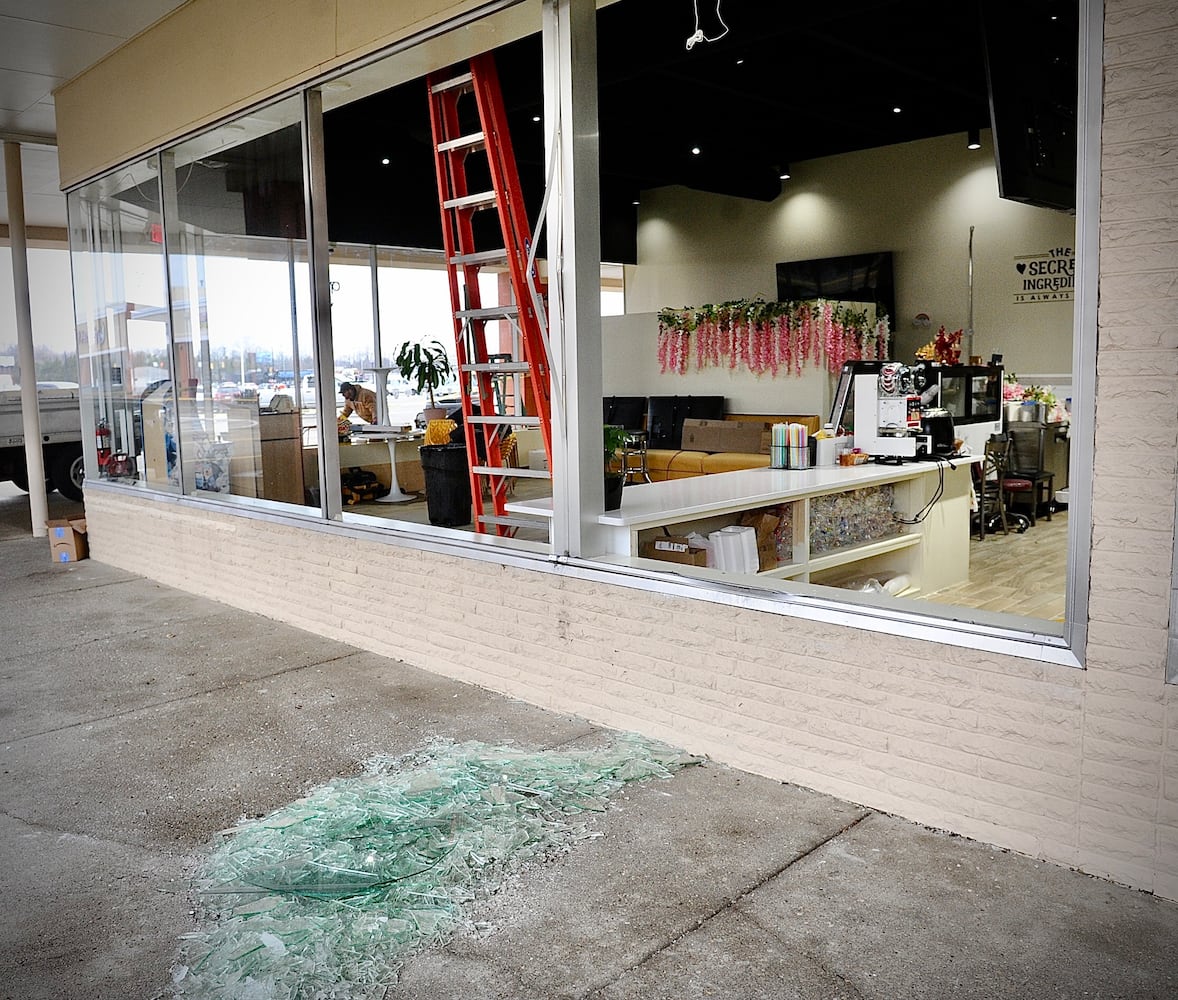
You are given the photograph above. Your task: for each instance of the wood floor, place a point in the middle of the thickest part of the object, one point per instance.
(1020, 574)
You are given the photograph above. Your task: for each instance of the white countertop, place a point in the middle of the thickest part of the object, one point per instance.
(645, 504)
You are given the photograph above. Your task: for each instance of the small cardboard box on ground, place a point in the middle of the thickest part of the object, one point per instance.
(67, 539)
(674, 548)
(721, 435)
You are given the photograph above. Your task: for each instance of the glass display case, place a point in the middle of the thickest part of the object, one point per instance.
(971, 393)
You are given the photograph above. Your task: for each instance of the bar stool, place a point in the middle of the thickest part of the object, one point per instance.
(634, 457)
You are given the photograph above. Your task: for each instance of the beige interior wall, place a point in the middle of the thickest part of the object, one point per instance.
(917, 200)
(210, 57)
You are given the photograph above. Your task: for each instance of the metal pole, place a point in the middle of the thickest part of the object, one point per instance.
(34, 459)
(374, 263)
(969, 325)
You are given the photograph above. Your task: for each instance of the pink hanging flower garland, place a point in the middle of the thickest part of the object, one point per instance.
(774, 337)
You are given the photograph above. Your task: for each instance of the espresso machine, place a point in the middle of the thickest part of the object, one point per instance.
(887, 413)
(892, 412)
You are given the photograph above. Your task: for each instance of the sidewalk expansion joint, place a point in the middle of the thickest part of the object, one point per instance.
(179, 698)
(724, 906)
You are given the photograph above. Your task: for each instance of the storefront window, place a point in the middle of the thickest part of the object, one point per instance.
(236, 227)
(744, 220)
(418, 460)
(120, 302)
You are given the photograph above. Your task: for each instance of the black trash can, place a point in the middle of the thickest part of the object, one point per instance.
(447, 484)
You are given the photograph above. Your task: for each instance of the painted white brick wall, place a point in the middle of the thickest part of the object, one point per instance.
(1078, 767)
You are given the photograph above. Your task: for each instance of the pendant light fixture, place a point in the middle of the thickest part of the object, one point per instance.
(974, 140)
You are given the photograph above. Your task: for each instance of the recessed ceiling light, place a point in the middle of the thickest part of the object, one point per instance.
(535, 118)
(896, 110)
(695, 150)
(634, 202)
(784, 175)
(385, 161)
(739, 62)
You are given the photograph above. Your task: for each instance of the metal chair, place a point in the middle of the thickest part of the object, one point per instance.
(1025, 474)
(991, 495)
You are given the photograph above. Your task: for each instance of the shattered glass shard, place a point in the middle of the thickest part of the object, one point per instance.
(327, 896)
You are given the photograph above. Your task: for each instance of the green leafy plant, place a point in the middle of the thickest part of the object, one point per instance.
(614, 436)
(426, 365)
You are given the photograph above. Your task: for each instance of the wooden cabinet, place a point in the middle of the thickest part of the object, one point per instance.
(266, 454)
(282, 456)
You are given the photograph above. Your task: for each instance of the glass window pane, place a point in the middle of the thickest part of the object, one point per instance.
(120, 302)
(236, 222)
(384, 205)
(751, 267)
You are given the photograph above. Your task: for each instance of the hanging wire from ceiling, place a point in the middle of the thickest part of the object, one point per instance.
(698, 35)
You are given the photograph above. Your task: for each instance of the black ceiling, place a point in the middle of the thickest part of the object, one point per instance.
(788, 82)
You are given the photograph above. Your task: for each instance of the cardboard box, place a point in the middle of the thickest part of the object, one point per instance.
(722, 435)
(674, 548)
(67, 539)
(766, 524)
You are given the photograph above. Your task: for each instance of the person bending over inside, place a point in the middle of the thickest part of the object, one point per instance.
(359, 401)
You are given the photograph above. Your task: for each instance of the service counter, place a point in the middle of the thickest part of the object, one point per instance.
(832, 524)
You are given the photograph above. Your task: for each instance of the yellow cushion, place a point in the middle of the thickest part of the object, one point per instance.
(670, 463)
(732, 461)
(439, 431)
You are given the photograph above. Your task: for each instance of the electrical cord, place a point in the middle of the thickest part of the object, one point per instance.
(699, 35)
(939, 492)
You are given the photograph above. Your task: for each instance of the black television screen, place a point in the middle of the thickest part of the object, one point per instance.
(864, 277)
(1031, 68)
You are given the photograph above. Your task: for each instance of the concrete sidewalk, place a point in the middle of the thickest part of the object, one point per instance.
(136, 721)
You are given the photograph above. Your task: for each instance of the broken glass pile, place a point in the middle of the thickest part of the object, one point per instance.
(326, 896)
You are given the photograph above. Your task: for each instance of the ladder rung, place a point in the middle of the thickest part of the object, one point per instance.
(483, 198)
(472, 141)
(461, 81)
(501, 367)
(482, 257)
(491, 312)
(504, 419)
(510, 472)
(513, 522)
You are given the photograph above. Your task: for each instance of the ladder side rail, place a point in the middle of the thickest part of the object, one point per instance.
(457, 237)
(513, 219)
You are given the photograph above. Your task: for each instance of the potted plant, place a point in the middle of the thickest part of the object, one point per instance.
(614, 437)
(426, 366)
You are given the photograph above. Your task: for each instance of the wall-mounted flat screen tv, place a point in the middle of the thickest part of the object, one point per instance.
(864, 277)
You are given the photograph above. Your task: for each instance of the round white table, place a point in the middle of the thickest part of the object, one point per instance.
(395, 494)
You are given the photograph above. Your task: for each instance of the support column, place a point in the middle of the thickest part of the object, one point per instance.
(574, 275)
(34, 458)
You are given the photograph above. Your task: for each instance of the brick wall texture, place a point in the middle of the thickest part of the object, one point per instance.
(1079, 767)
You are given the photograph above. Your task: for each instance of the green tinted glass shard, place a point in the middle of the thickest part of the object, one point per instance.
(327, 896)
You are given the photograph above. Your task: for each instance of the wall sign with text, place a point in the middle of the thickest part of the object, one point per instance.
(1045, 277)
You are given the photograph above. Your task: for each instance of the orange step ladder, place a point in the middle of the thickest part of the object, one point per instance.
(459, 147)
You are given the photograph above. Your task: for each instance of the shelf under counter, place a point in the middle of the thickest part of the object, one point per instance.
(933, 553)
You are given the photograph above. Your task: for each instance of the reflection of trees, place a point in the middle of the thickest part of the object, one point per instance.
(54, 366)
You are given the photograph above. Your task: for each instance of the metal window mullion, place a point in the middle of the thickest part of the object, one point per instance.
(170, 224)
(1083, 427)
(574, 274)
(315, 205)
